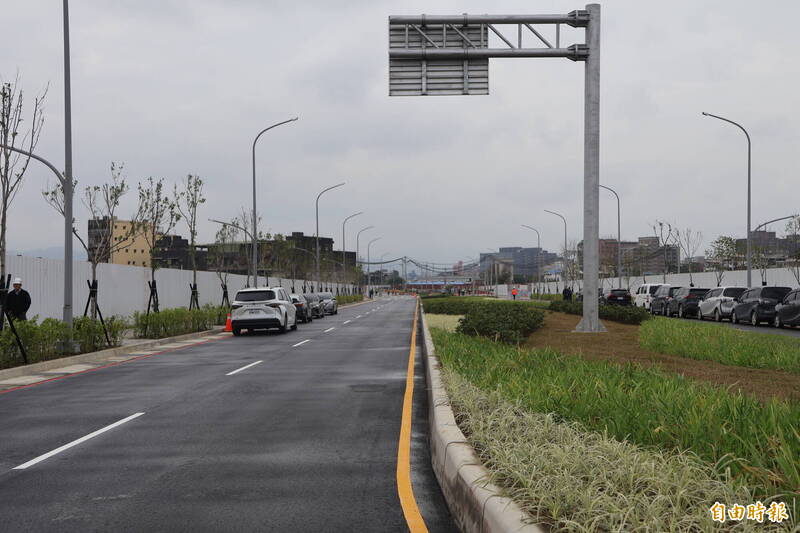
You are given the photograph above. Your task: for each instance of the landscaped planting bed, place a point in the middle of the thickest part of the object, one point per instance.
(626, 314)
(746, 444)
(720, 343)
(177, 321)
(43, 340)
(345, 299)
(574, 479)
(501, 320)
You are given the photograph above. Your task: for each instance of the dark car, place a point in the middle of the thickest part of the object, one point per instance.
(579, 298)
(314, 305)
(303, 311)
(617, 297)
(685, 303)
(787, 313)
(659, 305)
(758, 305)
(328, 303)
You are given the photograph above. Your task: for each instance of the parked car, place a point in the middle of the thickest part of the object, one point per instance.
(579, 298)
(314, 305)
(328, 303)
(659, 305)
(758, 305)
(685, 302)
(644, 295)
(787, 313)
(301, 304)
(617, 297)
(263, 308)
(718, 303)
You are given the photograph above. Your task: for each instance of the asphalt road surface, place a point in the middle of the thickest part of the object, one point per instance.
(256, 433)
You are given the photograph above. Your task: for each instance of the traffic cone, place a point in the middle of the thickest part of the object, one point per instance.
(228, 327)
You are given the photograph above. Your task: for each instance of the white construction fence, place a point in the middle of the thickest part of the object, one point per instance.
(122, 289)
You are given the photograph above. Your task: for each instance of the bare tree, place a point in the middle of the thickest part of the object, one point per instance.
(13, 164)
(689, 242)
(102, 203)
(187, 199)
(666, 237)
(155, 217)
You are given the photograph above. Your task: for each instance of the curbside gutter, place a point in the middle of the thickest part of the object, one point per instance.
(93, 357)
(475, 504)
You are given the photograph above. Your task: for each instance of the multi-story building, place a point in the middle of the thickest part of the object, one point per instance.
(123, 248)
(525, 262)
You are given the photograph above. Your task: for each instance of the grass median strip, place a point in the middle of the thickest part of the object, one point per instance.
(578, 480)
(719, 343)
(757, 443)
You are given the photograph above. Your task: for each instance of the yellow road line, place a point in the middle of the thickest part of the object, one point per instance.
(410, 510)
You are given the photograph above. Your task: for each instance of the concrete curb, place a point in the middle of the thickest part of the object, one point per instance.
(475, 504)
(93, 357)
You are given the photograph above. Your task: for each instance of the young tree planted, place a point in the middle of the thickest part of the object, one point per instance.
(724, 255)
(13, 133)
(187, 200)
(156, 216)
(689, 242)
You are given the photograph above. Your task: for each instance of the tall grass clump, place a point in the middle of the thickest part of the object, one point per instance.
(345, 299)
(725, 345)
(573, 479)
(758, 444)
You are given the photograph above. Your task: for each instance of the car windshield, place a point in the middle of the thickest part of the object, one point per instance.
(254, 296)
(699, 292)
(734, 292)
(654, 288)
(775, 292)
(673, 290)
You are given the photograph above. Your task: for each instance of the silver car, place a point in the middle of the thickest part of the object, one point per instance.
(718, 303)
(263, 308)
(328, 303)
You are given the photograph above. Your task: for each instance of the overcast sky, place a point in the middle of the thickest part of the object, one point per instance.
(171, 87)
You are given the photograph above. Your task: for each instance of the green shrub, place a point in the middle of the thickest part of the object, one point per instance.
(759, 442)
(345, 299)
(502, 321)
(42, 340)
(177, 321)
(453, 305)
(725, 345)
(626, 314)
(549, 297)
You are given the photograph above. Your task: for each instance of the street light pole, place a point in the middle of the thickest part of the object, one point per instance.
(565, 243)
(538, 253)
(67, 309)
(619, 237)
(67, 182)
(749, 237)
(344, 257)
(358, 236)
(319, 279)
(255, 217)
(369, 267)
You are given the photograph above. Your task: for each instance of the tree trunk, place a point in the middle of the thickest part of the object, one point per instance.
(94, 302)
(3, 218)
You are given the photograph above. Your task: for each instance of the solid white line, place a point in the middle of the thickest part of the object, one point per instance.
(76, 442)
(329, 329)
(346, 322)
(359, 316)
(243, 368)
(301, 342)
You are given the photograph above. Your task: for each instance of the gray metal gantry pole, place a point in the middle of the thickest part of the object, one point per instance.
(67, 182)
(590, 322)
(619, 237)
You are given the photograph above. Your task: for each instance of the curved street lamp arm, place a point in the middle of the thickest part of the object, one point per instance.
(610, 189)
(232, 225)
(767, 223)
(42, 160)
(260, 133)
(329, 188)
(729, 122)
(556, 214)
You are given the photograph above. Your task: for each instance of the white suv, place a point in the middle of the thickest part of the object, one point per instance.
(263, 308)
(644, 294)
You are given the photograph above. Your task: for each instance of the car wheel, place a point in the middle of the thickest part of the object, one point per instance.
(754, 321)
(734, 318)
(294, 326)
(717, 315)
(778, 322)
(237, 332)
(282, 327)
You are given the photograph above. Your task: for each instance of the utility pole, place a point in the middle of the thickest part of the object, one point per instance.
(319, 279)
(67, 183)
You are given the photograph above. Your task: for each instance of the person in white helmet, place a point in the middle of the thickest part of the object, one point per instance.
(18, 301)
